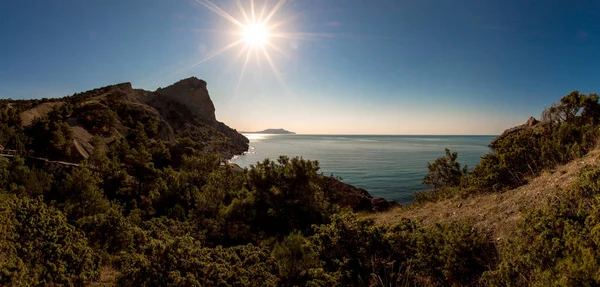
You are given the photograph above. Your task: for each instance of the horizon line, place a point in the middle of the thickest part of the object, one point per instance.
(334, 134)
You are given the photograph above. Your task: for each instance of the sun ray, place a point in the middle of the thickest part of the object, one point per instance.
(276, 8)
(212, 7)
(302, 35)
(275, 70)
(243, 11)
(216, 53)
(280, 23)
(262, 29)
(277, 49)
(238, 56)
(262, 11)
(243, 70)
(253, 13)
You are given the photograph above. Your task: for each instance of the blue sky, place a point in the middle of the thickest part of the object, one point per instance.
(348, 66)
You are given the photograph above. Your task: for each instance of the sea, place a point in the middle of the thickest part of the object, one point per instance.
(386, 166)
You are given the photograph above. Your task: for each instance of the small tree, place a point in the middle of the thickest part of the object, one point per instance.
(444, 171)
(295, 257)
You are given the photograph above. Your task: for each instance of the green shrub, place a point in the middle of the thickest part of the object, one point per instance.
(361, 253)
(444, 171)
(39, 247)
(96, 117)
(297, 260)
(182, 262)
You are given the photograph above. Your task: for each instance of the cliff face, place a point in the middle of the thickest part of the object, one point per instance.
(192, 93)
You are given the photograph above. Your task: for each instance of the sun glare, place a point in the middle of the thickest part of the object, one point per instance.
(256, 35)
(261, 30)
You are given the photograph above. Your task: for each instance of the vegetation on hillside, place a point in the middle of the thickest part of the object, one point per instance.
(568, 130)
(168, 214)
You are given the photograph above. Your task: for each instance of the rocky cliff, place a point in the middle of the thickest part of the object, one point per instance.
(192, 93)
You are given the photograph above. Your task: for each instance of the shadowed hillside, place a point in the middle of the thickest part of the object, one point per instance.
(181, 116)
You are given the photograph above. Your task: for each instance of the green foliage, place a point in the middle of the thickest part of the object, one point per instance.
(17, 178)
(569, 129)
(50, 137)
(405, 254)
(182, 262)
(286, 195)
(297, 260)
(573, 108)
(444, 171)
(39, 247)
(96, 117)
(82, 195)
(111, 232)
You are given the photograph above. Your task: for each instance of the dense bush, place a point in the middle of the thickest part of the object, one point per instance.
(182, 262)
(39, 247)
(50, 137)
(361, 253)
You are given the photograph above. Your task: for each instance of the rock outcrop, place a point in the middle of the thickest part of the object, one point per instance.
(346, 195)
(531, 123)
(192, 93)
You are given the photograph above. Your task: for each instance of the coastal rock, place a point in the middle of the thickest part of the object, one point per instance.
(380, 204)
(531, 123)
(192, 93)
(346, 195)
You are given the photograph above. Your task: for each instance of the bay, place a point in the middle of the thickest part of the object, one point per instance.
(386, 166)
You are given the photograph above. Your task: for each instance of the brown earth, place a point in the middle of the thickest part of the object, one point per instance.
(41, 110)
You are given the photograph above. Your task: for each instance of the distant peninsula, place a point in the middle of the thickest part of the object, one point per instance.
(271, 131)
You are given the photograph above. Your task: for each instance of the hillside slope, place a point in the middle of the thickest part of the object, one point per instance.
(180, 113)
(496, 213)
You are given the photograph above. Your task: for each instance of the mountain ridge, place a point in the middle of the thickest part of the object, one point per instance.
(182, 110)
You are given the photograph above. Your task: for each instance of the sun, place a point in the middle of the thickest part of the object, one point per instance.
(256, 35)
(260, 30)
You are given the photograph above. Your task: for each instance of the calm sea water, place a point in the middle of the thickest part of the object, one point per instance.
(386, 166)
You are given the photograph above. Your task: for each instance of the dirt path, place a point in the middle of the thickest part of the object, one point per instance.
(497, 213)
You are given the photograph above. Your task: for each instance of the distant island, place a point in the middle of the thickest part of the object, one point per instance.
(272, 131)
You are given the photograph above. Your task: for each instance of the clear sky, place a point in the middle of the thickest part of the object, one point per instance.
(343, 66)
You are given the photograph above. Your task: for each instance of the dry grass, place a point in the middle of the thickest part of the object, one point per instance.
(496, 213)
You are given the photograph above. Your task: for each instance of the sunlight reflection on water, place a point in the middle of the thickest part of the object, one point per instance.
(257, 137)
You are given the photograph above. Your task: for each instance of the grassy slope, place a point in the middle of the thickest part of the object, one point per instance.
(496, 213)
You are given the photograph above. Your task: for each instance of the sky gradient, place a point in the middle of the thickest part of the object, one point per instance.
(359, 67)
